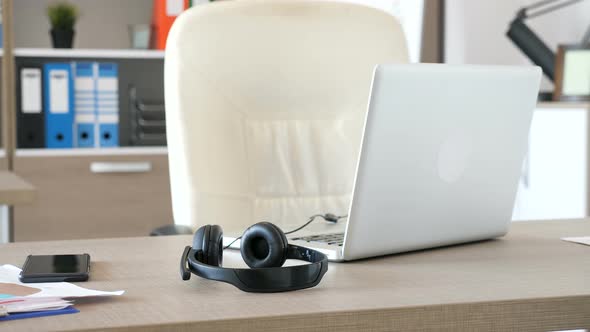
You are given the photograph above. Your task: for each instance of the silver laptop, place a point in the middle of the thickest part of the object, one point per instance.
(441, 156)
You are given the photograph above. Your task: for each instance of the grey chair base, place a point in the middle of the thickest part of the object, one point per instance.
(172, 230)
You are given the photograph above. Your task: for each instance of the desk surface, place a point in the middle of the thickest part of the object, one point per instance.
(14, 190)
(528, 280)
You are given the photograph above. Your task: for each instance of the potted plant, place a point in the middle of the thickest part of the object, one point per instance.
(62, 17)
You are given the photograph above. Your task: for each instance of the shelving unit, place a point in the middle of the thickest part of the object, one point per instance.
(140, 77)
(137, 11)
(88, 53)
(121, 151)
(8, 89)
(76, 198)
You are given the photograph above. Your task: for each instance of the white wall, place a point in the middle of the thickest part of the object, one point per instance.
(475, 30)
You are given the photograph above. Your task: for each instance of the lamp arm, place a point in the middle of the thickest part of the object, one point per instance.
(532, 46)
(529, 43)
(526, 11)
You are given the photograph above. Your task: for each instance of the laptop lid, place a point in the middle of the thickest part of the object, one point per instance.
(442, 151)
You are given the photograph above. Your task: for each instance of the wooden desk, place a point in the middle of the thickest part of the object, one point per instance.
(529, 280)
(13, 191)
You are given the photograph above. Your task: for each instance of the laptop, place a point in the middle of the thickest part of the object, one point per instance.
(441, 157)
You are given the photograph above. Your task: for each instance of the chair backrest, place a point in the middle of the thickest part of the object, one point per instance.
(265, 104)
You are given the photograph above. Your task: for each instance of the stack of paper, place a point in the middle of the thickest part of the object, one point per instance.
(28, 304)
(47, 298)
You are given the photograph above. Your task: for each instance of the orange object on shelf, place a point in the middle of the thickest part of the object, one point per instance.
(164, 14)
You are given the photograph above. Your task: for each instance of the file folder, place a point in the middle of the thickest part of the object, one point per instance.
(29, 99)
(164, 13)
(85, 104)
(107, 87)
(107, 96)
(58, 105)
(85, 130)
(108, 129)
(84, 87)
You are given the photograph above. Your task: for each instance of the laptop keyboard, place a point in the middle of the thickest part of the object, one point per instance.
(335, 239)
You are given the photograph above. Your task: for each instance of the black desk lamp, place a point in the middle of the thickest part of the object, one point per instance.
(528, 42)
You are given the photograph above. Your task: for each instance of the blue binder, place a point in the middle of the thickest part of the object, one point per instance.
(107, 96)
(85, 128)
(108, 130)
(59, 115)
(84, 104)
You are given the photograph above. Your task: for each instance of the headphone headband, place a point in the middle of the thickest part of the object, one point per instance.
(257, 279)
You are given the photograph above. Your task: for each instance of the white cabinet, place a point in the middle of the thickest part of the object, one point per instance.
(554, 180)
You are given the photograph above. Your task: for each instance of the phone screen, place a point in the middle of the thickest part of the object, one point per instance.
(56, 265)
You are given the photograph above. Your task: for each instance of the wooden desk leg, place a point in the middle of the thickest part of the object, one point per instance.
(5, 225)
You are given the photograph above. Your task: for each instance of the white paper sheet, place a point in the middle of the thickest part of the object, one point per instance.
(581, 240)
(10, 286)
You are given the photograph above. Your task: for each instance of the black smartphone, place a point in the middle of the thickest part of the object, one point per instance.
(55, 268)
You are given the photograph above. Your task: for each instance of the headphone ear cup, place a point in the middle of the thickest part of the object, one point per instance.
(208, 243)
(264, 245)
(215, 250)
(199, 239)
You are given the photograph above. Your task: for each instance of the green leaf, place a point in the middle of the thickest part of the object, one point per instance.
(62, 15)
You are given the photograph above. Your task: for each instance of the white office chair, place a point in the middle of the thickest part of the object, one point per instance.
(265, 104)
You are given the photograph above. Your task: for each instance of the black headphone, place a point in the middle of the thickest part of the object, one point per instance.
(264, 248)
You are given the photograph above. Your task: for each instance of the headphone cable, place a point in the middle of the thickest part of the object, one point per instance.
(329, 217)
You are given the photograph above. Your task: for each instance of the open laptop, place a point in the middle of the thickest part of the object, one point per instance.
(441, 156)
